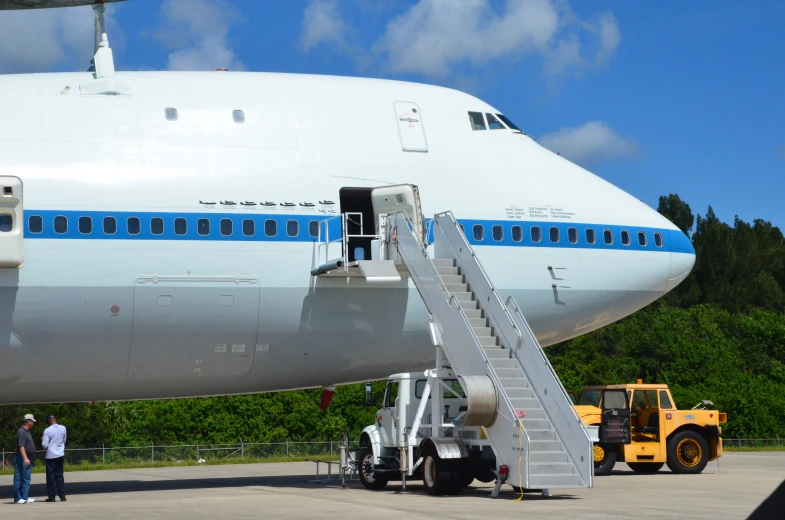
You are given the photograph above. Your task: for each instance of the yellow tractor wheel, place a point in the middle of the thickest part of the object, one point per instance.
(688, 452)
(604, 458)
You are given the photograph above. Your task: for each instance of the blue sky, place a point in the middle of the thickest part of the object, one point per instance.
(656, 97)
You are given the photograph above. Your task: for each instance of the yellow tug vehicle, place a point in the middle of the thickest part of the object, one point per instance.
(685, 440)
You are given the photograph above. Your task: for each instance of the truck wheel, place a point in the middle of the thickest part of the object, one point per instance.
(368, 476)
(437, 477)
(604, 459)
(645, 467)
(688, 453)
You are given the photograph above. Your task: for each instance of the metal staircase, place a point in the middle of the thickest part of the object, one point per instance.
(536, 434)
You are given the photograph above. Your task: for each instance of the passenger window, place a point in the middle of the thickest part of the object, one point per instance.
(665, 402)
(85, 225)
(203, 226)
(292, 228)
(517, 233)
(249, 227)
(313, 228)
(479, 232)
(657, 240)
(625, 237)
(642, 239)
(226, 227)
(133, 225)
(477, 121)
(608, 235)
(554, 235)
(498, 233)
(110, 225)
(270, 228)
(572, 235)
(6, 223)
(591, 236)
(507, 122)
(536, 234)
(171, 114)
(238, 116)
(35, 223)
(157, 226)
(494, 123)
(180, 226)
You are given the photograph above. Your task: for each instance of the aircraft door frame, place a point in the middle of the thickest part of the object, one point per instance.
(12, 222)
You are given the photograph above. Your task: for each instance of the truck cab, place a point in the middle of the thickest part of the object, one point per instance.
(685, 440)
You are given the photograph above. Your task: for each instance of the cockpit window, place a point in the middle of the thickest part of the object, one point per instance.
(477, 121)
(508, 122)
(494, 123)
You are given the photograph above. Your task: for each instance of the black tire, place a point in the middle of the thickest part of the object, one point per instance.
(367, 475)
(438, 476)
(485, 476)
(688, 453)
(605, 465)
(645, 467)
(464, 473)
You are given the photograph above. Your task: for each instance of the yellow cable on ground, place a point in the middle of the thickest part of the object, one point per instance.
(520, 458)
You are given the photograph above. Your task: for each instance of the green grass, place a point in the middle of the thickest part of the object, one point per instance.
(41, 468)
(730, 447)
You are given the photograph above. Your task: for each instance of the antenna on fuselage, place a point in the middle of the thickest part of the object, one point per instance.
(101, 41)
(102, 64)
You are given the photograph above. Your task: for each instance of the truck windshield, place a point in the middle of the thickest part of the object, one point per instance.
(590, 397)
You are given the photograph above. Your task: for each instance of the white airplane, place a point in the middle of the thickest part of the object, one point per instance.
(158, 229)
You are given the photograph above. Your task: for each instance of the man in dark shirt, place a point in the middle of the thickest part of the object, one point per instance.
(23, 461)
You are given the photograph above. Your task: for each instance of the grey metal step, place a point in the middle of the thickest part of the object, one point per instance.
(555, 481)
(547, 457)
(553, 468)
(509, 372)
(542, 435)
(483, 331)
(463, 296)
(443, 262)
(447, 271)
(487, 340)
(517, 388)
(527, 403)
(507, 362)
(533, 413)
(497, 353)
(469, 304)
(478, 322)
(451, 278)
(543, 446)
(455, 288)
(472, 312)
(535, 423)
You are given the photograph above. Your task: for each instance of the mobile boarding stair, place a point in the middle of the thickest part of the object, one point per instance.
(536, 432)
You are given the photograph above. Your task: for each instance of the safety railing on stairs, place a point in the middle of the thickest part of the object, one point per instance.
(446, 307)
(516, 333)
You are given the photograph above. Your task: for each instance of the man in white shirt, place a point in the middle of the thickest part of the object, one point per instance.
(54, 442)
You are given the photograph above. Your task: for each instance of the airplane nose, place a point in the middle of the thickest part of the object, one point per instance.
(682, 258)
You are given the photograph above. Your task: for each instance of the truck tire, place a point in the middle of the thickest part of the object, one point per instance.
(604, 458)
(688, 453)
(438, 476)
(368, 476)
(645, 467)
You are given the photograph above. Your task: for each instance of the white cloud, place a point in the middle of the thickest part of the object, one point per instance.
(198, 33)
(589, 144)
(434, 35)
(323, 23)
(40, 40)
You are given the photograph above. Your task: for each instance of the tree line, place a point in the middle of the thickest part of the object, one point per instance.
(720, 335)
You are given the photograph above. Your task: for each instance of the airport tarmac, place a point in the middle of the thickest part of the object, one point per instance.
(731, 491)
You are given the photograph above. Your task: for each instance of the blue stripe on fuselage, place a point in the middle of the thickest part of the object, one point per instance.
(670, 238)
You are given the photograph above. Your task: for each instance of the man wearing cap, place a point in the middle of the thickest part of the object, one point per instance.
(24, 453)
(54, 443)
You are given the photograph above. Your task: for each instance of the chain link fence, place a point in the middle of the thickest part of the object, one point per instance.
(191, 452)
(731, 444)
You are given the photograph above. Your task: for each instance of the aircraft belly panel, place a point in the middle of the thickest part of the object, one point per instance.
(193, 329)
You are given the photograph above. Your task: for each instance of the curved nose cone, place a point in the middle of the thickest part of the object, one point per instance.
(682, 258)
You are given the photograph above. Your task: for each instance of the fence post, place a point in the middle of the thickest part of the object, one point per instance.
(197, 451)
(331, 446)
(242, 449)
(739, 443)
(152, 453)
(3, 458)
(287, 447)
(103, 452)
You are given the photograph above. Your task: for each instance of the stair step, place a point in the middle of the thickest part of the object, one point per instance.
(483, 331)
(472, 313)
(487, 341)
(553, 468)
(535, 423)
(570, 480)
(497, 353)
(469, 304)
(547, 457)
(463, 297)
(507, 362)
(515, 372)
(533, 413)
(527, 402)
(455, 288)
(478, 322)
(451, 278)
(542, 435)
(517, 388)
(443, 262)
(544, 446)
(449, 271)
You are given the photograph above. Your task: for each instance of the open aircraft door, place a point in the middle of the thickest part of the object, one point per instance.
(404, 197)
(11, 222)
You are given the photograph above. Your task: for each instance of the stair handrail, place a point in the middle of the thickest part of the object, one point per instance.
(453, 302)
